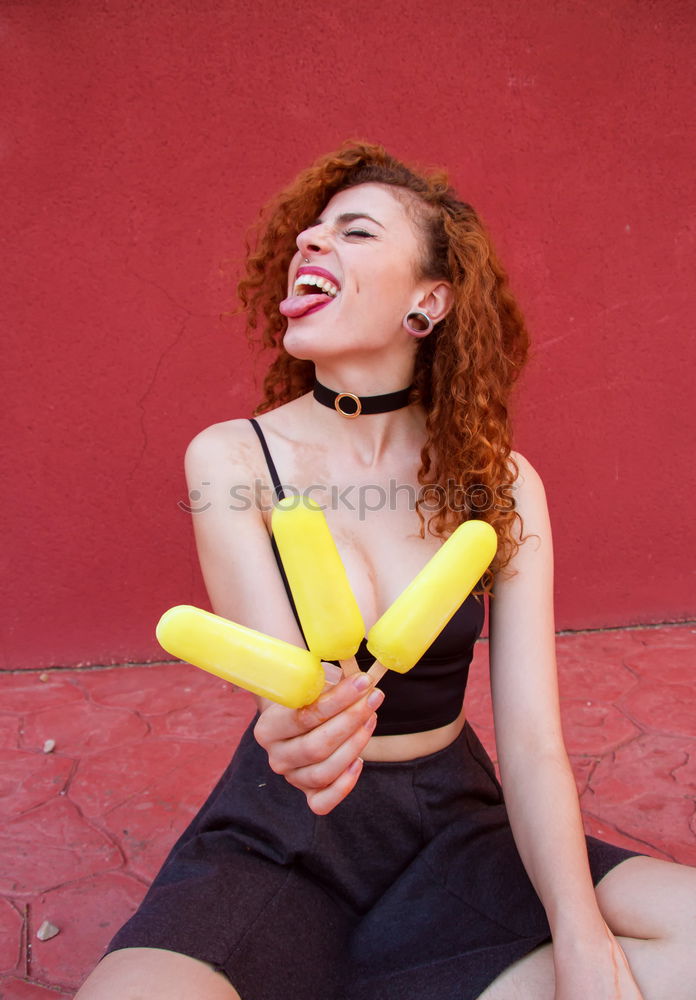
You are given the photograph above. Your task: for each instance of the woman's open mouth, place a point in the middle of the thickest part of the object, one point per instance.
(314, 289)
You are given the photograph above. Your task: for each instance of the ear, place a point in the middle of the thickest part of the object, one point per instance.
(438, 301)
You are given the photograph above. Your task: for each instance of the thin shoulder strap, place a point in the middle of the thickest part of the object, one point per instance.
(280, 494)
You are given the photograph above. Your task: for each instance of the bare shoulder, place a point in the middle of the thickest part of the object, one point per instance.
(523, 605)
(225, 468)
(526, 475)
(235, 443)
(231, 504)
(529, 494)
(230, 442)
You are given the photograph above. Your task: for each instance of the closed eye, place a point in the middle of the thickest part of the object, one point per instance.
(359, 232)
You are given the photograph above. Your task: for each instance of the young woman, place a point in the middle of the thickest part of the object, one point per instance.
(360, 848)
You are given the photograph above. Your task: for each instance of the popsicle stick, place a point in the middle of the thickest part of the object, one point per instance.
(349, 666)
(376, 672)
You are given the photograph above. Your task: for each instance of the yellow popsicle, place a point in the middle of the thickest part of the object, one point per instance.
(330, 616)
(418, 615)
(252, 660)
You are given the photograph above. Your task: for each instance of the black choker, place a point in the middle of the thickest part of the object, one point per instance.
(350, 405)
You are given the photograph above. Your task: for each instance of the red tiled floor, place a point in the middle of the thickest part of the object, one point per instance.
(50, 845)
(137, 749)
(9, 731)
(75, 731)
(16, 989)
(28, 779)
(11, 938)
(88, 912)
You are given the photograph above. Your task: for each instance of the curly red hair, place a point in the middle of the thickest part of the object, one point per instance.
(464, 370)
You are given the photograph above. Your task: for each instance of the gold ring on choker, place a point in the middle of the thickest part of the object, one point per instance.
(356, 400)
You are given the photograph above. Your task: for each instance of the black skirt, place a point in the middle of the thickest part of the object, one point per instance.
(411, 888)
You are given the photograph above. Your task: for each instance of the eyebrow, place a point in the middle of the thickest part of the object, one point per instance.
(347, 217)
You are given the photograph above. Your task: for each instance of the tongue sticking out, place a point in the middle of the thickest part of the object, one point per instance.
(299, 305)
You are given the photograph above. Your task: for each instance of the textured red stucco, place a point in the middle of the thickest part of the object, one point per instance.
(140, 140)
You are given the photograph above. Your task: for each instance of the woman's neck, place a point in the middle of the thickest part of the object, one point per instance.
(368, 439)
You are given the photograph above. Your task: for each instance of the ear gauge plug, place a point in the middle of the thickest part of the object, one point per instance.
(417, 323)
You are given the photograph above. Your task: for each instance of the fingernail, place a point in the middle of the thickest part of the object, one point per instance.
(356, 765)
(370, 723)
(361, 682)
(375, 699)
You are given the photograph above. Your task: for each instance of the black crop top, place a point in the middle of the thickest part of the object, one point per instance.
(431, 693)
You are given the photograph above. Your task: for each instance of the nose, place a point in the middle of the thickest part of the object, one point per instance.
(314, 239)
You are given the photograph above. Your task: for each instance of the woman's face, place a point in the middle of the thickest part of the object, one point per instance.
(363, 252)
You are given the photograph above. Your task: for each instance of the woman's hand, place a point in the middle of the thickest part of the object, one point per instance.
(600, 973)
(317, 748)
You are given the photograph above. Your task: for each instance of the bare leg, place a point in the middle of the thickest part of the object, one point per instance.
(155, 974)
(650, 906)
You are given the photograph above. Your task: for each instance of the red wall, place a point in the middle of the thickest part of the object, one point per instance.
(142, 137)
